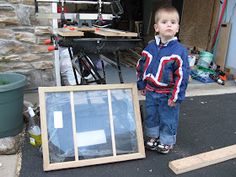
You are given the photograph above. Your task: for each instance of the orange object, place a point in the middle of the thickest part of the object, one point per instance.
(51, 48)
(59, 9)
(69, 28)
(224, 78)
(47, 41)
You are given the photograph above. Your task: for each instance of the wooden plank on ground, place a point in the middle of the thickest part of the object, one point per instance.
(202, 160)
(110, 61)
(128, 58)
(222, 46)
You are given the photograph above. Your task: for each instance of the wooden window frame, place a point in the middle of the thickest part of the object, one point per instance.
(47, 166)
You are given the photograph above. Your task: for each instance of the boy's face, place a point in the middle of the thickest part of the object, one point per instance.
(167, 25)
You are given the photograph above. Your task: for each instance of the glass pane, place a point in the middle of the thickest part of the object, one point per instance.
(59, 124)
(92, 124)
(124, 121)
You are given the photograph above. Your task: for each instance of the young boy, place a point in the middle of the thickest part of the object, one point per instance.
(163, 72)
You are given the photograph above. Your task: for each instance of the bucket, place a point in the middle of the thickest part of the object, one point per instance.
(205, 59)
(11, 103)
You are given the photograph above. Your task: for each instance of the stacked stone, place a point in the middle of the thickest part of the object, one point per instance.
(21, 42)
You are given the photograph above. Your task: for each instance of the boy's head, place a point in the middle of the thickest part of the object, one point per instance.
(166, 22)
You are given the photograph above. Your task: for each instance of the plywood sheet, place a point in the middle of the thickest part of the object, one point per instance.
(222, 46)
(202, 160)
(196, 22)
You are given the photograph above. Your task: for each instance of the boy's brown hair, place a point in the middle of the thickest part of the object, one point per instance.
(169, 9)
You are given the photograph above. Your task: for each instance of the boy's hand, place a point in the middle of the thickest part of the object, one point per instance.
(143, 92)
(171, 103)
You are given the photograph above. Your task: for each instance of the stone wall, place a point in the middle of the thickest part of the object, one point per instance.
(21, 42)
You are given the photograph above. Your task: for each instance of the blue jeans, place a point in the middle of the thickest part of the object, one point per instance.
(161, 120)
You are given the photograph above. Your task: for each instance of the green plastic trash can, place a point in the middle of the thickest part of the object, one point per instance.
(11, 103)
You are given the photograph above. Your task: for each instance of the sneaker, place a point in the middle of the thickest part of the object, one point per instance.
(164, 149)
(152, 143)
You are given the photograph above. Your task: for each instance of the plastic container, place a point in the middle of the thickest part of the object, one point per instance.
(205, 59)
(33, 129)
(192, 60)
(11, 103)
(201, 76)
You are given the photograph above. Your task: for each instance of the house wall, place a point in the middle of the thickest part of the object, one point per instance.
(21, 42)
(231, 55)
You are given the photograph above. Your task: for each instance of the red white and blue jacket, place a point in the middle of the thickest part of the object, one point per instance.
(164, 68)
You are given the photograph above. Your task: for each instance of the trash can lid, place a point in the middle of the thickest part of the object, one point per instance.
(11, 81)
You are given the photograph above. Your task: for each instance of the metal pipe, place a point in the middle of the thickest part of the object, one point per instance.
(74, 16)
(73, 2)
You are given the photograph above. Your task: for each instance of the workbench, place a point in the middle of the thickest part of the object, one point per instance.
(97, 40)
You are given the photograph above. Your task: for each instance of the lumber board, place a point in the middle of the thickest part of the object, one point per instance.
(114, 33)
(79, 31)
(222, 46)
(110, 61)
(202, 160)
(82, 28)
(85, 28)
(64, 32)
(128, 58)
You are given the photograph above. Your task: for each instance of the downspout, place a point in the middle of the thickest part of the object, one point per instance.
(56, 52)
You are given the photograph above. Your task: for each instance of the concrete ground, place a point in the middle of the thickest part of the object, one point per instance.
(10, 164)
